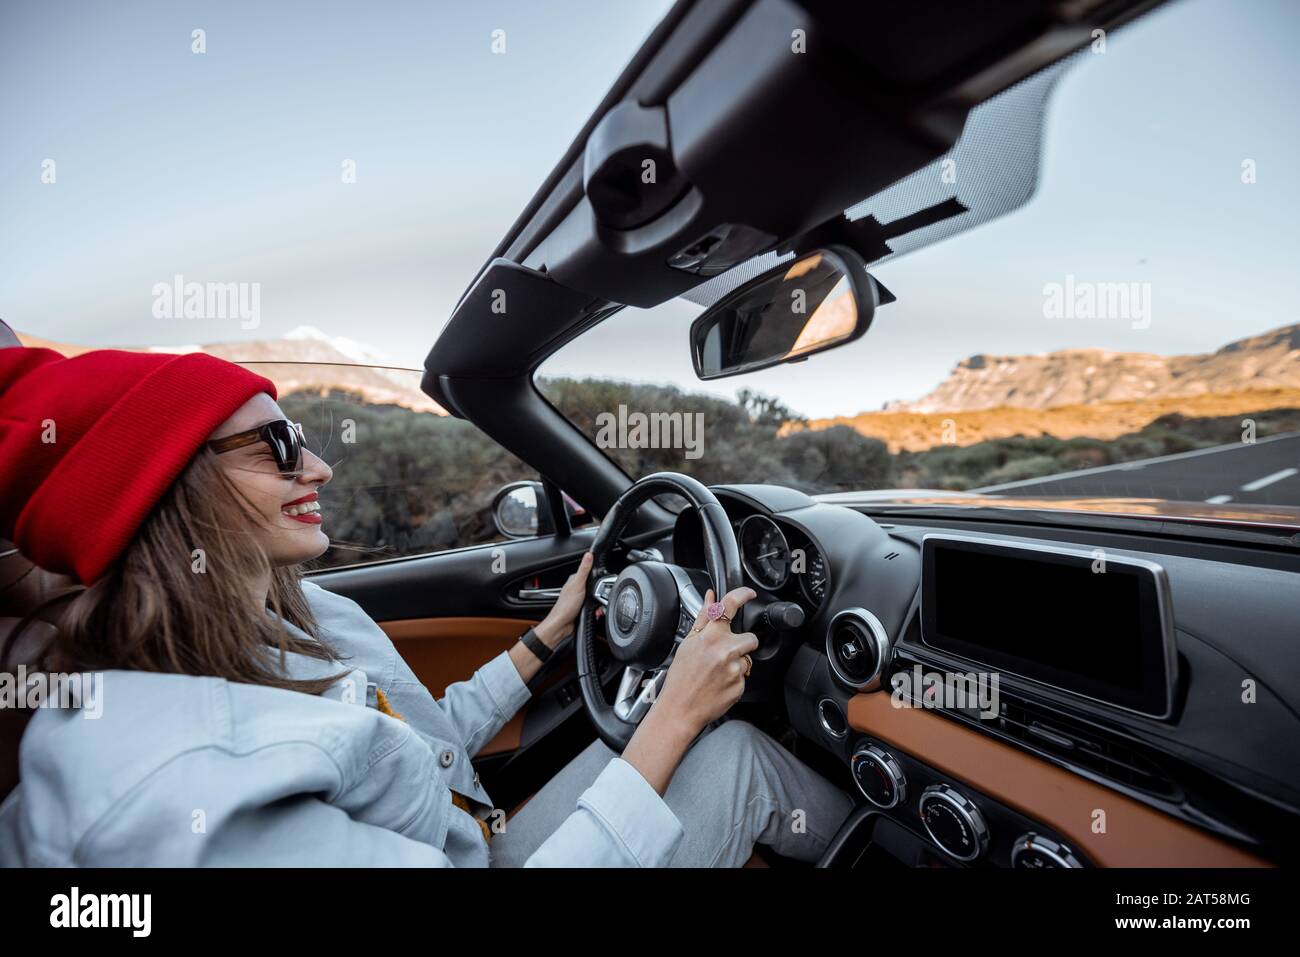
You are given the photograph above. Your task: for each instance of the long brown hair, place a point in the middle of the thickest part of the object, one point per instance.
(166, 607)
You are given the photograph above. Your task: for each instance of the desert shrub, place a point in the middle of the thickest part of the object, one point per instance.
(414, 482)
(1084, 454)
(834, 459)
(969, 461)
(1034, 466)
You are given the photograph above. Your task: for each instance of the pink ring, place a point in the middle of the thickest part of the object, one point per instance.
(715, 611)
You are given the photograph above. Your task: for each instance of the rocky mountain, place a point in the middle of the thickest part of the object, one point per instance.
(1082, 377)
(917, 431)
(306, 360)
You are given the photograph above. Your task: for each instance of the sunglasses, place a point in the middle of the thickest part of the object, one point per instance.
(284, 438)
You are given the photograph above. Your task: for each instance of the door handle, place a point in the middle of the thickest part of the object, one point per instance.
(548, 595)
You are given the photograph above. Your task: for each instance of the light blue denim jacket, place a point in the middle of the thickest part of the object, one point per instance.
(181, 771)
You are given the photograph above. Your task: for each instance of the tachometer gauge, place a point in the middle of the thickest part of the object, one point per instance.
(764, 552)
(813, 579)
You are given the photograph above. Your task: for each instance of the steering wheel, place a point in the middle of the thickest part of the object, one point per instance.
(649, 607)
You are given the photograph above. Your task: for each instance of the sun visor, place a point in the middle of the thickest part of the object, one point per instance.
(990, 171)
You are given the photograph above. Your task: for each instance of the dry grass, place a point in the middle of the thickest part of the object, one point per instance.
(916, 431)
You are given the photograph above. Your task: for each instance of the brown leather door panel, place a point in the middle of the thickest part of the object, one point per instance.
(442, 651)
(445, 650)
(1136, 835)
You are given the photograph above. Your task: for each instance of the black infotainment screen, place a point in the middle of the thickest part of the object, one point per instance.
(1086, 623)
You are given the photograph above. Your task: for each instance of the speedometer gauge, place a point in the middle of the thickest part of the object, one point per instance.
(764, 552)
(813, 578)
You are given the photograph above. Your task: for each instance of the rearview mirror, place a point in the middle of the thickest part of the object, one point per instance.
(819, 301)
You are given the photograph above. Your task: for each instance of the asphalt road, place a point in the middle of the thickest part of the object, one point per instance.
(1265, 473)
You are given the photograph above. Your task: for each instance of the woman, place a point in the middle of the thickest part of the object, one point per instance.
(248, 717)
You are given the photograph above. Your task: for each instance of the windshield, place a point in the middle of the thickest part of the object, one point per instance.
(1128, 333)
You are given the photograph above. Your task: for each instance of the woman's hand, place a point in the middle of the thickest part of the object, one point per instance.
(706, 678)
(558, 623)
(707, 675)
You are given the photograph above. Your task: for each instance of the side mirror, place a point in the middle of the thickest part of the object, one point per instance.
(821, 300)
(521, 510)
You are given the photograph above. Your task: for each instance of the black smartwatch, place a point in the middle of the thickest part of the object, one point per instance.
(534, 644)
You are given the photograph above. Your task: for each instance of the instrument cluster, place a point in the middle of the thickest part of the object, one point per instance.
(781, 559)
(775, 556)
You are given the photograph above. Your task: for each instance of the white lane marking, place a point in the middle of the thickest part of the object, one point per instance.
(1218, 500)
(1258, 484)
(1126, 466)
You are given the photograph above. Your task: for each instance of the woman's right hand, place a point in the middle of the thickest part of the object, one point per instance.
(707, 675)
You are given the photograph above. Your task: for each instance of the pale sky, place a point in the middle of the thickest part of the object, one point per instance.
(225, 166)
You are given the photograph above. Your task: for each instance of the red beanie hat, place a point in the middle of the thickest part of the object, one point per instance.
(88, 445)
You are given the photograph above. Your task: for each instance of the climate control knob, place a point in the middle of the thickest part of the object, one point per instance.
(953, 822)
(1035, 851)
(879, 777)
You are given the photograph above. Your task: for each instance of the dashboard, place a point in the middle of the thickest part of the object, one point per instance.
(1027, 695)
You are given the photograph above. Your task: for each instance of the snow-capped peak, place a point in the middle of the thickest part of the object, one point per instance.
(357, 351)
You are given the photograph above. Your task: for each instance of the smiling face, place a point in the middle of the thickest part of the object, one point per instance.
(289, 526)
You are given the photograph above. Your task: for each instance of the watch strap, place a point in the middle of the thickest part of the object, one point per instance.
(539, 648)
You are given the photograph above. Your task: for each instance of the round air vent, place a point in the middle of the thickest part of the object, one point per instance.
(858, 648)
(832, 719)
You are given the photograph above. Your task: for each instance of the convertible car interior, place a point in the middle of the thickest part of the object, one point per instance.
(1131, 753)
(994, 686)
